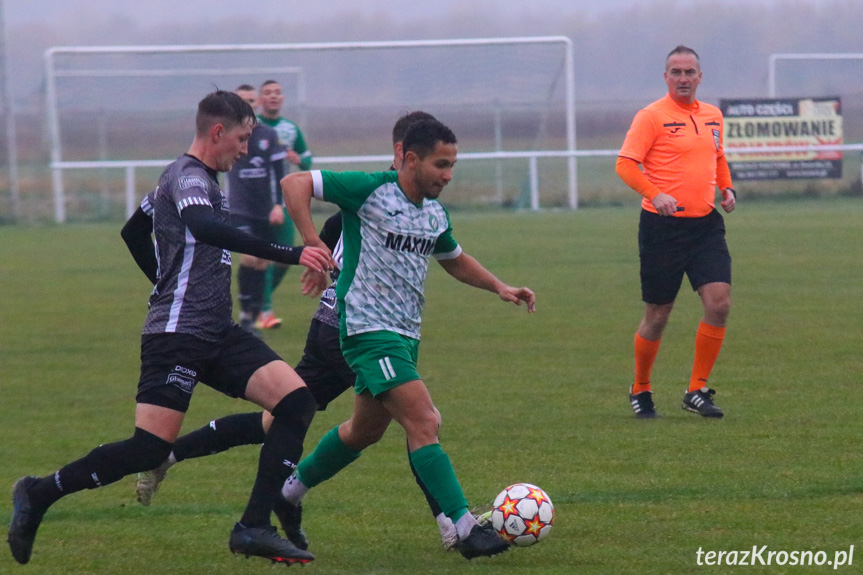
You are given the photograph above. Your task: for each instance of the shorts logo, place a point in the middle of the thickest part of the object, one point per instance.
(186, 370)
(387, 368)
(226, 257)
(182, 378)
(187, 182)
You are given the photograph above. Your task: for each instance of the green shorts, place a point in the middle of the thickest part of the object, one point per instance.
(381, 360)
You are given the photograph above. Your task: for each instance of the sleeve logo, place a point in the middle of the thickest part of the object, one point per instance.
(187, 182)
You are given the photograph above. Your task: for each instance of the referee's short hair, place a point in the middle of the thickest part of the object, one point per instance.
(422, 137)
(681, 49)
(222, 107)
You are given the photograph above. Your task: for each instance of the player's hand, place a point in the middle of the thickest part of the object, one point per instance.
(665, 204)
(277, 215)
(729, 201)
(317, 259)
(517, 295)
(313, 283)
(294, 158)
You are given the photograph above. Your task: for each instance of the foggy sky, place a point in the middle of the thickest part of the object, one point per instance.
(186, 11)
(734, 37)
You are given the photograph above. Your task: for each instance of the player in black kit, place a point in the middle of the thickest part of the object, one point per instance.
(257, 207)
(189, 337)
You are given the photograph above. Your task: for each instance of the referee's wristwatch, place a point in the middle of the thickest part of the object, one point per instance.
(733, 192)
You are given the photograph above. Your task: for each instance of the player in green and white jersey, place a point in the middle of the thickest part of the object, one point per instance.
(392, 225)
(291, 137)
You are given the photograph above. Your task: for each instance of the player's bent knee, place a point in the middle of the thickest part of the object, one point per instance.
(298, 407)
(271, 383)
(424, 430)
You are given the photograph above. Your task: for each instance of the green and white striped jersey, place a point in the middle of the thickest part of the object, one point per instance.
(387, 244)
(291, 137)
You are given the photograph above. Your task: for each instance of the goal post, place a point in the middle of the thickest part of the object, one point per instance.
(775, 58)
(502, 94)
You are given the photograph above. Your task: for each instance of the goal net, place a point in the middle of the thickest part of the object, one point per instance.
(138, 103)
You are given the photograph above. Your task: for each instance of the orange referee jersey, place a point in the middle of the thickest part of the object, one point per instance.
(679, 147)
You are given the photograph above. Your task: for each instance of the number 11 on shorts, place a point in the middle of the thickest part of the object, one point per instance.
(387, 368)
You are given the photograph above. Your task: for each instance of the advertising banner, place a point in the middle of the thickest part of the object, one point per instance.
(775, 122)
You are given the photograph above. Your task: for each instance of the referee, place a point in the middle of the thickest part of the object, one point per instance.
(677, 140)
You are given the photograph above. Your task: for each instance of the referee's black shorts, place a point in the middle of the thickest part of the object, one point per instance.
(671, 246)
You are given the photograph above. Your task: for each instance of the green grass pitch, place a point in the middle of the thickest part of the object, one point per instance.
(537, 398)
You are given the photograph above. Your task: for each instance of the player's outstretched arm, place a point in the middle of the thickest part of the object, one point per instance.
(468, 270)
(206, 228)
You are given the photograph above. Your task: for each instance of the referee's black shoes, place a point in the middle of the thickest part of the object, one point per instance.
(642, 404)
(700, 401)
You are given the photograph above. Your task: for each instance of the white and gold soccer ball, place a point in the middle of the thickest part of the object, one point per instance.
(523, 514)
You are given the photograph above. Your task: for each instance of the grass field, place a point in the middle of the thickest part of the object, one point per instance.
(539, 398)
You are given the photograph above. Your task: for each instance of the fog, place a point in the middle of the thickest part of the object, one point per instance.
(619, 44)
(619, 49)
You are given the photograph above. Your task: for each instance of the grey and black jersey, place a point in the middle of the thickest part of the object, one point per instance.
(193, 293)
(252, 188)
(331, 234)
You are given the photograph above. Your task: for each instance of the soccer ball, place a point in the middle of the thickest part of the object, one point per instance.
(522, 514)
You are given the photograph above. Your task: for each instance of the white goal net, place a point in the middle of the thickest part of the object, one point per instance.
(110, 105)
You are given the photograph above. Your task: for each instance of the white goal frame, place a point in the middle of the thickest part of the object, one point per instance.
(774, 58)
(58, 165)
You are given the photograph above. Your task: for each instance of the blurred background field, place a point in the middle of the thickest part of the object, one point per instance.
(539, 398)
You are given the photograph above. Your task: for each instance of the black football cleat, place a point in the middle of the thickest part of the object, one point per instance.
(26, 518)
(265, 542)
(482, 541)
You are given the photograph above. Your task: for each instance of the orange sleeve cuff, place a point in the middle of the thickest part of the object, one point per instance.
(723, 173)
(628, 171)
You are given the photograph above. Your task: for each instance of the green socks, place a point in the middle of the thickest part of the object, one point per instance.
(329, 457)
(435, 469)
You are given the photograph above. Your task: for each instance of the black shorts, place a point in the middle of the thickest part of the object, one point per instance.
(258, 228)
(323, 366)
(669, 247)
(172, 364)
